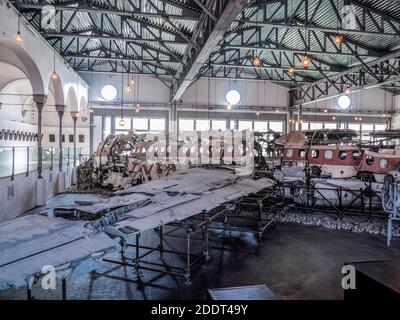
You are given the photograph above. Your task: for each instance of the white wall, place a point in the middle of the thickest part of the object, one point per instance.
(370, 100)
(253, 93)
(24, 197)
(146, 89)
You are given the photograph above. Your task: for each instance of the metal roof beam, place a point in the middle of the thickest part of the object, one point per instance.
(229, 10)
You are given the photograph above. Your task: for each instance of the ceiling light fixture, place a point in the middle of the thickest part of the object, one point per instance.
(306, 61)
(339, 39)
(19, 37)
(256, 61)
(291, 70)
(54, 75)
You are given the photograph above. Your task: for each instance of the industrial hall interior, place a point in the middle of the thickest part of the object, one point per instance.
(199, 149)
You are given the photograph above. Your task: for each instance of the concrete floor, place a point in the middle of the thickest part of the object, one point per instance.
(294, 261)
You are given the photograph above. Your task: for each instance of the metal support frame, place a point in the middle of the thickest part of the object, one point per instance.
(341, 210)
(220, 218)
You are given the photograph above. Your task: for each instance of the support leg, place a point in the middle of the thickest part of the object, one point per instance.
(389, 231)
(64, 289)
(187, 275)
(206, 252)
(161, 242)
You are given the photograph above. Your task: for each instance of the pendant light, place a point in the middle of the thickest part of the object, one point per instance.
(54, 74)
(19, 37)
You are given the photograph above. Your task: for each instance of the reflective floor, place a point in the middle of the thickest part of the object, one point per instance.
(295, 262)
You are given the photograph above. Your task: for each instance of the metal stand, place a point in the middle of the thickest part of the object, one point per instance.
(392, 217)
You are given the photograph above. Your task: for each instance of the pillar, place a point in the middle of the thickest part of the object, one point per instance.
(41, 189)
(40, 100)
(61, 175)
(60, 110)
(75, 116)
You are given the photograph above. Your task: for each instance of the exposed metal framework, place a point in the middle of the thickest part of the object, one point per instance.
(179, 41)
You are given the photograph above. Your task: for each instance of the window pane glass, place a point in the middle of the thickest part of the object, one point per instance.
(276, 126)
(305, 126)
(354, 126)
(245, 125)
(186, 124)
(232, 124)
(367, 127)
(380, 127)
(127, 125)
(261, 126)
(330, 125)
(316, 125)
(157, 124)
(140, 123)
(107, 127)
(219, 125)
(202, 125)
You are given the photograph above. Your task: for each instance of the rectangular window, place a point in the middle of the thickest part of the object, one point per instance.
(276, 126)
(261, 126)
(52, 138)
(232, 124)
(355, 126)
(330, 125)
(157, 124)
(140, 124)
(380, 127)
(186, 124)
(305, 126)
(81, 138)
(218, 125)
(71, 138)
(245, 125)
(316, 125)
(63, 138)
(107, 127)
(202, 125)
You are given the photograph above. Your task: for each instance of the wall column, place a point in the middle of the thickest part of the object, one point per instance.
(60, 110)
(75, 116)
(40, 100)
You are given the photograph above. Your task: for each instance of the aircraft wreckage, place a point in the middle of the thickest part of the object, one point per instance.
(315, 168)
(84, 229)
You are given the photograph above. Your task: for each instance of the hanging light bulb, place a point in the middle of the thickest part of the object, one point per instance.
(348, 89)
(339, 39)
(306, 61)
(291, 70)
(128, 88)
(54, 75)
(256, 61)
(19, 37)
(333, 118)
(257, 113)
(326, 110)
(122, 123)
(229, 107)
(132, 82)
(356, 118)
